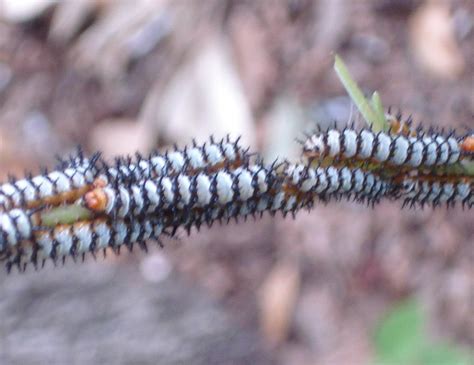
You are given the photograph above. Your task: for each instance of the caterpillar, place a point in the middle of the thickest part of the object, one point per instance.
(52, 188)
(190, 160)
(426, 150)
(140, 198)
(75, 176)
(179, 192)
(231, 194)
(423, 190)
(77, 239)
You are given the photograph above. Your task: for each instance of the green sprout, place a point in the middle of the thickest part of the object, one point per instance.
(373, 111)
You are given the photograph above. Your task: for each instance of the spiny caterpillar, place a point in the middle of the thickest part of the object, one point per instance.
(75, 176)
(75, 240)
(136, 199)
(180, 191)
(52, 188)
(211, 155)
(413, 151)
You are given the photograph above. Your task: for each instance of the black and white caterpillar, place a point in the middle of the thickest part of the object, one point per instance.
(75, 175)
(412, 151)
(180, 192)
(79, 238)
(49, 188)
(190, 160)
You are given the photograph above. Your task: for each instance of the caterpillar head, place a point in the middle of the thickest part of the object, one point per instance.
(467, 145)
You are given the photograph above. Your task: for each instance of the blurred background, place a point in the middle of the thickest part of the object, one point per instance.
(342, 284)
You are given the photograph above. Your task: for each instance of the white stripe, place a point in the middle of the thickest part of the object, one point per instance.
(455, 150)
(383, 147)
(120, 233)
(167, 188)
(350, 143)
(213, 153)
(111, 199)
(430, 150)
(184, 190)
(322, 181)
(245, 185)
(416, 152)
(346, 179)
(224, 187)
(367, 143)
(138, 199)
(310, 181)
(334, 142)
(23, 223)
(444, 150)
(203, 189)
(103, 234)
(64, 239)
(177, 160)
(125, 202)
(195, 158)
(333, 178)
(401, 150)
(152, 195)
(84, 235)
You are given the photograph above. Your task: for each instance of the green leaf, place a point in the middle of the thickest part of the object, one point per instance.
(358, 97)
(400, 337)
(442, 354)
